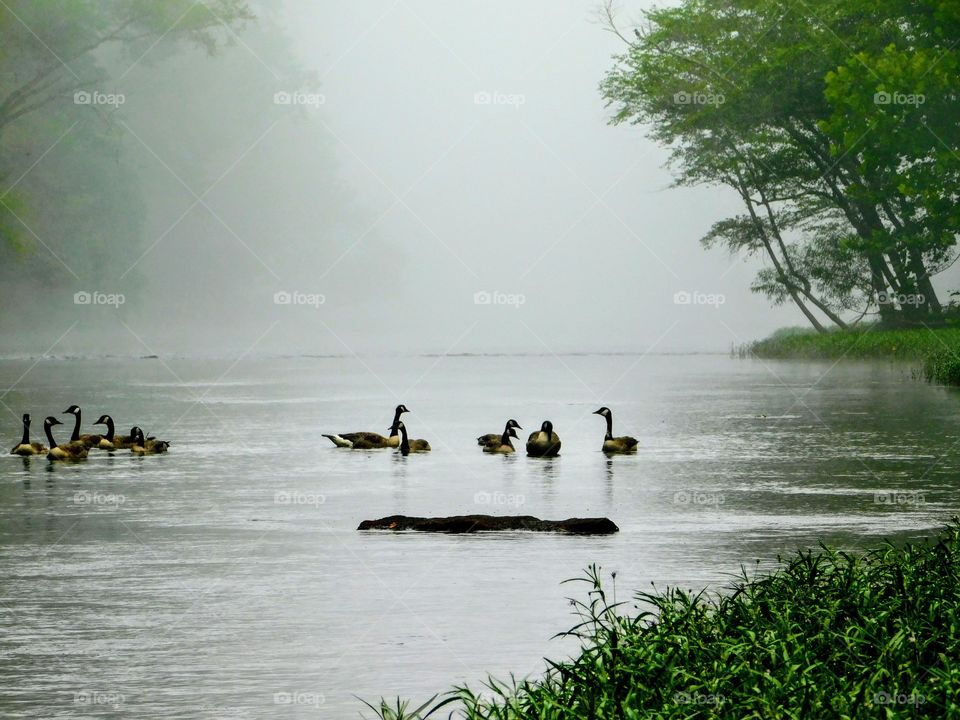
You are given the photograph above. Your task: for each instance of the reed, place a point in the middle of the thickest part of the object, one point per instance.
(828, 634)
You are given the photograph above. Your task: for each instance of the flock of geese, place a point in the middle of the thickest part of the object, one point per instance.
(78, 447)
(542, 443)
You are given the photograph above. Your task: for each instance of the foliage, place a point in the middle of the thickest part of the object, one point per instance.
(861, 342)
(829, 634)
(810, 114)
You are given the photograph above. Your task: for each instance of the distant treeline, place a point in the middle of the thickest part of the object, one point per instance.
(115, 117)
(70, 209)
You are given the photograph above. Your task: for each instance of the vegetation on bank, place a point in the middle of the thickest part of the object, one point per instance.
(829, 634)
(936, 349)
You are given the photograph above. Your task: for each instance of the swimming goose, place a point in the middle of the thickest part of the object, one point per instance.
(495, 438)
(146, 446)
(370, 440)
(408, 446)
(88, 440)
(503, 446)
(545, 442)
(26, 448)
(611, 444)
(68, 451)
(109, 441)
(122, 442)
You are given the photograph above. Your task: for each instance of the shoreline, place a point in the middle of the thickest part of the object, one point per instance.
(935, 351)
(827, 632)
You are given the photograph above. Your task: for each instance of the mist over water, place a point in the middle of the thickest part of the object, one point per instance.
(393, 160)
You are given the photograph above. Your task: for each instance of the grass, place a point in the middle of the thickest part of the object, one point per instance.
(937, 350)
(828, 634)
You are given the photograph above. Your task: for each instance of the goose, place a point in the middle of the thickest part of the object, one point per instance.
(67, 451)
(503, 446)
(611, 444)
(122, 442)
(146, 446)
(26, 448)
(545, 442)
(408, 446)
(495, 438)
(88, 440)
(370, 440)
(109, 441)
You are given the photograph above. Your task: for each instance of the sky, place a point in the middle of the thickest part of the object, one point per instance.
(475, 135)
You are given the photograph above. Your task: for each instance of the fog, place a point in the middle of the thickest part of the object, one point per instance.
(431, 178)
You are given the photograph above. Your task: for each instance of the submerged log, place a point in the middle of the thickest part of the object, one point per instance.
(487, 523)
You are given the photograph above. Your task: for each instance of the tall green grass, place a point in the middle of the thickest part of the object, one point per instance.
(914, 344)
(829, 634)
(937, 350)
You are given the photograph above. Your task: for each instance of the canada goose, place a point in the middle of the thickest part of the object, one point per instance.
(26, 447)
(545, 442)
(146, 446)
(88, 440)
(67, 451)
(110, 440)
(122, 442)
(494, 438)
(408, 446)
(611, 444)
(370, 440)
(503, 446)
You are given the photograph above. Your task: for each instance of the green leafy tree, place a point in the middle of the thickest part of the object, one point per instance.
(741, 93)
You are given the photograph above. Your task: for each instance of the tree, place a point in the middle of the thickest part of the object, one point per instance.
(50, 48)
(740, 91)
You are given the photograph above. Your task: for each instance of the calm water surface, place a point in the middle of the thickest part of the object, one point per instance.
(206, 582)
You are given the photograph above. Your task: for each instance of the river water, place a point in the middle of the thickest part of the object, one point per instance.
(227, 578)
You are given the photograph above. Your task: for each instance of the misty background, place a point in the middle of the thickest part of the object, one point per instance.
(381, 163)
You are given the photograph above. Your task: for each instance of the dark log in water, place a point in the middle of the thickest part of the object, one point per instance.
(487, 523)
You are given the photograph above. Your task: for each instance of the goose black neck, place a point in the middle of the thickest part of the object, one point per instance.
(609, 426)
(505, 438)
(404, 441)
(394, 427)
(49, 432)
(110, 430)
(26, 433)
(76, 428)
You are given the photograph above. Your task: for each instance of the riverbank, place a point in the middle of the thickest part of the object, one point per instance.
(827, 634)
(935, 350)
